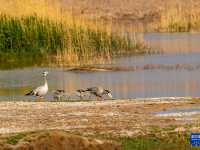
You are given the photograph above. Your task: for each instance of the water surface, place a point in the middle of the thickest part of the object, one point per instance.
(180, 49)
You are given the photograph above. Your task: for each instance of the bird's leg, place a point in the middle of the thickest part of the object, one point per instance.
(61, 98)
(37, 99)
(98, 98)
(54, 99)
(101, 97)
(41, 99)
(81, 98)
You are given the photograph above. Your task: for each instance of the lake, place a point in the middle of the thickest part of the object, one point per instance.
(173, 72)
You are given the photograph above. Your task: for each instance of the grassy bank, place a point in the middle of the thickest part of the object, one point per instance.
(42, 29)
(156, 138)
(178, 18)
(152, 141)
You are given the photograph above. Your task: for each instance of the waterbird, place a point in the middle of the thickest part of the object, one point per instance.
(98, 91)
(41, 90)
(80, 93)
(58, 94)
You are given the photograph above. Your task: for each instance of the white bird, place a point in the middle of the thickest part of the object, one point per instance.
(98, 91)
(41, 90)
(81, 93)
(58, 94)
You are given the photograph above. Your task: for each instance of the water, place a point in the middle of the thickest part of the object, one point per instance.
(181, 51)
(174, 42)
(176, 111)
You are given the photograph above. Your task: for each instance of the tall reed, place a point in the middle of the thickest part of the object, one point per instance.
(39, 28)
(178, 18)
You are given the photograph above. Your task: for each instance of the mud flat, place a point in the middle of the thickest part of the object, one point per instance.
(116, 117)
(119, 117)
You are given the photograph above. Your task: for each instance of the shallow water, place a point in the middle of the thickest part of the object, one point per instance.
(176, 111)
(174, 42)
(180, 50)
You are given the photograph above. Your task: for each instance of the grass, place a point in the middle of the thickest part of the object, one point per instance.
(14, 140)
(178, 18)
(156, 139)
(46, 30)
(152, 141)
(130, 143)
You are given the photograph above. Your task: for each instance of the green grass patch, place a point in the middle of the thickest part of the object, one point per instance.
(34, 37)
(43, 136)
(152, 142)
(29, 140)
(13, 140)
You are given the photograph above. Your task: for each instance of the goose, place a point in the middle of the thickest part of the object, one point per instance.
(58, 94)
(41, 90)
(81, 93)
(99, 91)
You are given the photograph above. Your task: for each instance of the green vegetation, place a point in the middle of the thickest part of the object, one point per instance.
(43, 136)
(13, 140)
(130, 143)
(32, 37)
(156, 139)
(60, 35)
(152, 141)
(153, 138)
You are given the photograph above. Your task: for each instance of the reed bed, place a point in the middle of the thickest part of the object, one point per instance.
(178, 18)
(38, 29)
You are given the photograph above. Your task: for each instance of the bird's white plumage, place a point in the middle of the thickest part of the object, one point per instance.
(41, 90)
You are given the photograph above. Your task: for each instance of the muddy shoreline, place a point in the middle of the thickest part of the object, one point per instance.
(116, 117)
(48, 125)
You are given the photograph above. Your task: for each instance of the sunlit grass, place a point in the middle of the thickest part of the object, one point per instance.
(149, 137)
(37, 29)
(155, 137)
(178, 19)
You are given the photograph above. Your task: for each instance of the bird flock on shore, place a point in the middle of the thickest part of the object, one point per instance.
(58, 94)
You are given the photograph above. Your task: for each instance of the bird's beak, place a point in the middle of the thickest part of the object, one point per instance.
(110, 95)
(47, 72)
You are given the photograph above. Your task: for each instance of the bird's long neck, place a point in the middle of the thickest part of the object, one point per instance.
(105, 92)
(45, 81)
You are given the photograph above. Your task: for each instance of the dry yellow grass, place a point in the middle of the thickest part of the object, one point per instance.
(69, 52)
(178, 19)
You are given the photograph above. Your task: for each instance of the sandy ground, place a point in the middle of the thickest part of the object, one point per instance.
(121, 117)
(126, 9)
(113, 117)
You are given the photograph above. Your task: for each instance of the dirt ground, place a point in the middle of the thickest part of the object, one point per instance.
(119, 117)
(114, 117)
(126, 9)
(54, 140)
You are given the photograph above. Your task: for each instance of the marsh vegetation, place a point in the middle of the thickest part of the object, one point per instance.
(180, 18)
(41, 29)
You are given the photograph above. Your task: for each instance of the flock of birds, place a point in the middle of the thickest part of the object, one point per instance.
(58, 94)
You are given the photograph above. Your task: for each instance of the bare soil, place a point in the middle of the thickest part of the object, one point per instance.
(56, 140)
(121, 117)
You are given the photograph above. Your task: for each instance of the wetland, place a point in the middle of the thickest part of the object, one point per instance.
(153, 77)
